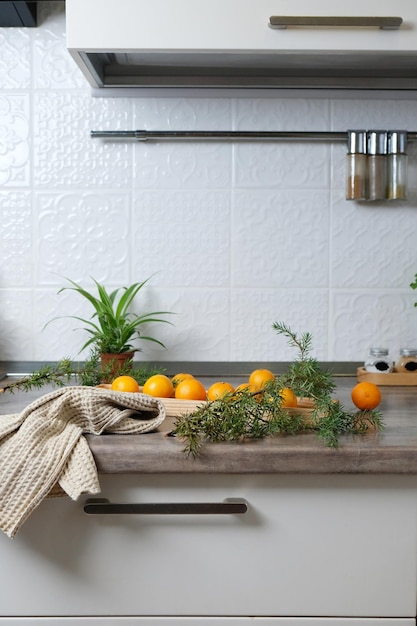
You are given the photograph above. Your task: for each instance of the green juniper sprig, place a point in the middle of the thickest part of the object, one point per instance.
(87, 374)
(256, 415)
(57, 375)
(235, 417)
(305, 376)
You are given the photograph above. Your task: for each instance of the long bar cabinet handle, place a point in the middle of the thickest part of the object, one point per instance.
(385, 23)
(102, 506)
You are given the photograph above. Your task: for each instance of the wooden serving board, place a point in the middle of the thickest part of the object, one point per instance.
(394, 379)
(175, 407)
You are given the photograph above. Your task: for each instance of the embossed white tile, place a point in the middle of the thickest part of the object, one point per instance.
(253, 311)
(81, 234)
(201, 326)
(183, 236)
(16, 325)
(65, 154)
(14, 58)
(373, 244)
(373, 114)
(412, 164)
(16, 239)
(178, 165)
(361, 319)
(53, 66)
(339, 166)
(14, 140)
(56, 335)
(281, 164)
(276, 114)
(285, 165)
(181, 113)
(280, 238)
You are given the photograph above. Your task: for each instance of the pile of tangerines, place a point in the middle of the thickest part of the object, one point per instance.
(186, 387)
(183, 386)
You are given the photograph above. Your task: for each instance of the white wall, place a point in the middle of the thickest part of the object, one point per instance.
(238, 235)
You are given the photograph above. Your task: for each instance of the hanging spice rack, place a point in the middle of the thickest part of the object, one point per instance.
(365, 181)
(225, 135)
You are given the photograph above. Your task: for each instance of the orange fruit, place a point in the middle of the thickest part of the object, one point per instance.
(159, 386)
(242, 387)
(125, 383)
(289, 399)
(366, 396)
(179, 377)
(219, 390)
(259, 378)
(190, 389)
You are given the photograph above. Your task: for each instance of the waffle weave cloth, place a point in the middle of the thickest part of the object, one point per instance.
(43, 450)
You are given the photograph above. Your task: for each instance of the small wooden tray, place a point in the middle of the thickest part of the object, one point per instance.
(175, 407)
(394, 379)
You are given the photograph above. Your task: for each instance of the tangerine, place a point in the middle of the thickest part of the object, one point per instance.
(125, 383)
(219, 390)
(366, 396)
(179, 377)
(289, 399)
(190, 389)
(259, 378)
(159, 386)
(242, 387)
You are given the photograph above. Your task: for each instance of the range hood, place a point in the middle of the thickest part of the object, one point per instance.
(235, 44)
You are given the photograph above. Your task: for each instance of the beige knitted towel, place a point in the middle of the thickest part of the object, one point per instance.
(43, 445)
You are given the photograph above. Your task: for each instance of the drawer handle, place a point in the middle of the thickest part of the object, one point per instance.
(99, 506)
(385, 23)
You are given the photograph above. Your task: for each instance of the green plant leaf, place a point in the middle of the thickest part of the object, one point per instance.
(111, 326)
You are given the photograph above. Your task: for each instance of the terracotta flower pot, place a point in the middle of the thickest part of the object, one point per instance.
(113, 363)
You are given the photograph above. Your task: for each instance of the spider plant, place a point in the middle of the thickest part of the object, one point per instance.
(112, 327)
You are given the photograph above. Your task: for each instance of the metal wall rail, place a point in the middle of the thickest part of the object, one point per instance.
(223, 135)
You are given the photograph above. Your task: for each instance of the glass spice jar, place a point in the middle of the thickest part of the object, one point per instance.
(407, 361)
(377, 164)
(378, 361)
(357, 166)
(397, 165)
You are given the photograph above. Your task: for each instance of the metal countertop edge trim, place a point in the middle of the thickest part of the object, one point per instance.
(198, 368)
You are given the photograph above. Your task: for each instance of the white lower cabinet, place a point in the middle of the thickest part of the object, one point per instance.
(331, 550)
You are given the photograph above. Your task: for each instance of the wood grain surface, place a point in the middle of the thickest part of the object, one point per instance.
(393, 451)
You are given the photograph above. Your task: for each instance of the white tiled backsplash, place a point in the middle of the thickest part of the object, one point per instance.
(237, 235)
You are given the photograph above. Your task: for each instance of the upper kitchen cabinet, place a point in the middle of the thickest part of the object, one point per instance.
(243, 44)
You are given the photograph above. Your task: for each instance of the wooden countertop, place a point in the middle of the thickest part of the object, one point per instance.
(393, 451)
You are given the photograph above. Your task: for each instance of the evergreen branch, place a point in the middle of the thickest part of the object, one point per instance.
(89, 374)
(303, 343)
(247, 415)
(58, 376)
